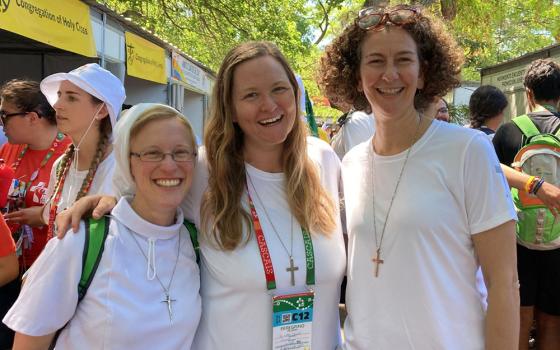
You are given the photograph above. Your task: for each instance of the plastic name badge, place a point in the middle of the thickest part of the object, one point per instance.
(292, 319)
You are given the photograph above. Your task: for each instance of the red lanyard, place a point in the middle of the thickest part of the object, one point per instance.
(58, 193)
(59, 137)
(265, 254)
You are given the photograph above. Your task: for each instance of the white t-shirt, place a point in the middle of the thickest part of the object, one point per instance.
(122, 308)
(357, 129)
(237, 306)
(425, 296)
(102, 183)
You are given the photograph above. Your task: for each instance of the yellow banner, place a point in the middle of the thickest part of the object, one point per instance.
(144, 59)
(62, 23)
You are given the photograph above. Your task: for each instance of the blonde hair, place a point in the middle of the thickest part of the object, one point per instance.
(222, 212)
(162, 113)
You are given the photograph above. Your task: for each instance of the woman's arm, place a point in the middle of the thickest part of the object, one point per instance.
(496, 252)
(32, 216)
(9, 268)
(28, 342)
(548, 193)
(97, 205)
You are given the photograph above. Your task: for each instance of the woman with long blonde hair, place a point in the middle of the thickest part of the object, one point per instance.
(267, 195)
(264, 199)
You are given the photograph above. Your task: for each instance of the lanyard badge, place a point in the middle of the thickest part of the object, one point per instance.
(292, 314)
(292, 319)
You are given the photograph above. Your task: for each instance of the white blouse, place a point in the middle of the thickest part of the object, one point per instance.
(123, 307)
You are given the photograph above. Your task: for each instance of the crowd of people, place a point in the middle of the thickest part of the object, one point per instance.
(240, 243)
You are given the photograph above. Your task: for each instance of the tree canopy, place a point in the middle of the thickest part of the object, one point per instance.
(489, 31)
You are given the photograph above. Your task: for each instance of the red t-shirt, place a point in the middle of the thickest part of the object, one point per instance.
(7, 245)
(35, 194)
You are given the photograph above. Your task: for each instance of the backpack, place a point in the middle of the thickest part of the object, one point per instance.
(94, 244)
(96, 234)
(539, 156)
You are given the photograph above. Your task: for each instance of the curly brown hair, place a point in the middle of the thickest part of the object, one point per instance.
(440, 57)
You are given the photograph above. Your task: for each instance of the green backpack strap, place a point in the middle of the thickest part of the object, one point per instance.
(96, 234)
(97, 231)
(193, 233)
(526, 125)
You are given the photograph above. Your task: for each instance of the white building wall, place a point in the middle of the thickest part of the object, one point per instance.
(193, 109)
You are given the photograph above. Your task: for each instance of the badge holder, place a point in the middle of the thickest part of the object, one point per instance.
(292, 320)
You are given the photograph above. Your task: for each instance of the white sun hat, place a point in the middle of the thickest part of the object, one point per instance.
(94, 80)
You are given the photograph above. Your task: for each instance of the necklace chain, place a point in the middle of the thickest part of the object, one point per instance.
(166, 290)
(378, 245)
(291, 251)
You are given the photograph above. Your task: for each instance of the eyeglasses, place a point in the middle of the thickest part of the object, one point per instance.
(372, 18)
(180, 156)
(5, 116)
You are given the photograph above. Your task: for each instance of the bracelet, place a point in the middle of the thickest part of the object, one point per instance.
(533, 184)
(537, 187)
(529, 184)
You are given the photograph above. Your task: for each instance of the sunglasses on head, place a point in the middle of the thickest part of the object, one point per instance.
(373, 18)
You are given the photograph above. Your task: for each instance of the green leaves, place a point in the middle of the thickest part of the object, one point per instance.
(489, 31)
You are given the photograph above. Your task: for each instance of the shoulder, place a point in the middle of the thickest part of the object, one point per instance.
(442, 133)
(506, 132)
(319, 150)
(60, 254)
(9, 152)
(357, 154)
(361, 118)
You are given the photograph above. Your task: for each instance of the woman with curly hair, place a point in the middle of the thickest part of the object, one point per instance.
(426, 202)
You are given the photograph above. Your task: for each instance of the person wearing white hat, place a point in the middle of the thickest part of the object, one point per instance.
(145, 292)
(87, 102)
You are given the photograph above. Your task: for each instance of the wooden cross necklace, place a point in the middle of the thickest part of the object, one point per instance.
(167, 298)
(377, 258)
(292, 268)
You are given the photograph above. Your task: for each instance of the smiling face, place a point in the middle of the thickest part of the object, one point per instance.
(162, 185)
(75, 110)
(264, 103)
(390, 72)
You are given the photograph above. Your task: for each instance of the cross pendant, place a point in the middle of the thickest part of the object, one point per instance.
(292, 269)
(377, 260)
(168, 300)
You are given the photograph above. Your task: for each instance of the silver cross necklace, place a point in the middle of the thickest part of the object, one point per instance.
(292, 268)
(377, 258)
(168, 298)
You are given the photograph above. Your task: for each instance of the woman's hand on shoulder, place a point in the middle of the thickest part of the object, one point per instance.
(97, 205)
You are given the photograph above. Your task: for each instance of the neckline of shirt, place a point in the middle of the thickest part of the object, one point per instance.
(125, 215)
(257, 173)
(434, 126)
